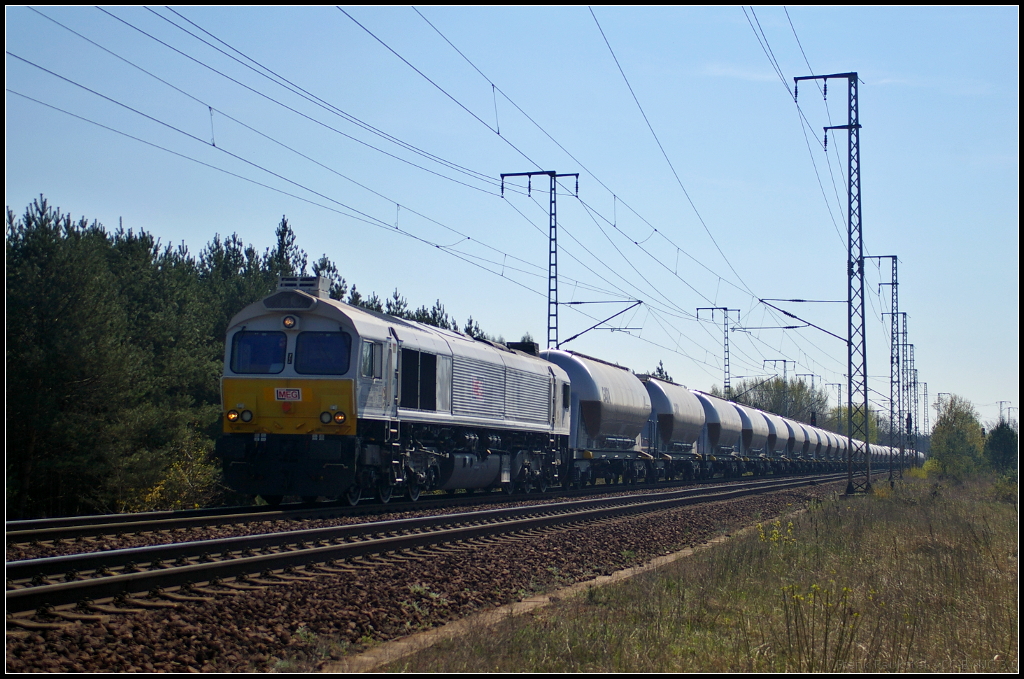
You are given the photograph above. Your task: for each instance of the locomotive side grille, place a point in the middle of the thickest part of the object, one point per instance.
(478, 388)
(528, 396)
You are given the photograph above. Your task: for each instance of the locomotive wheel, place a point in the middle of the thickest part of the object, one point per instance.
(309, 499)
(414, 491)
(507, 488)
(273, 500)
(384, 494)
(353, 495)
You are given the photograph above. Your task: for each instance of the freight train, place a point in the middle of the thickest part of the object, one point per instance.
(323, 399)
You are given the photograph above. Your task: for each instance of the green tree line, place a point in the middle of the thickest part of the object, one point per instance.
(960, 446)
(115, 346)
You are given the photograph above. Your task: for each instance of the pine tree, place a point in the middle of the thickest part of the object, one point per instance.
(286, 259)
(326, 268)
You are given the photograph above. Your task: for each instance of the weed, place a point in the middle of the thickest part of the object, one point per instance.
(820, 628)
(305, 634)
(776, 535)
(419, 590)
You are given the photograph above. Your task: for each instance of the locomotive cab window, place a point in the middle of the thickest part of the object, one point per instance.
(255, 353)
(322, 353)
(371, 360)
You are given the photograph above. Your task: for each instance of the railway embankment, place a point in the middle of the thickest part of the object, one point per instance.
(922, 577)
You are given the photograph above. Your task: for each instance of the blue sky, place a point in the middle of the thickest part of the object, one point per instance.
(758, 211)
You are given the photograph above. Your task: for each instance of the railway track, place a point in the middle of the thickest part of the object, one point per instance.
(68, 580)
(56, 530)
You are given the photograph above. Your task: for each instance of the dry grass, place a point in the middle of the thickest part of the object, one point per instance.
(919, 578)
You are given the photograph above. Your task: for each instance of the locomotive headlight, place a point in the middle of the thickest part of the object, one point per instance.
(232, 416)
(290, 322)
(325, 417)
(246, 416)
(339, 417)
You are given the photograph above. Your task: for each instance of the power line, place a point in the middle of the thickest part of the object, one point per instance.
(309, 96)
(329, 169)
(359, 216)
(583, 166)
(443, 91)
(296, 111)
(613, 222)
(663, 152)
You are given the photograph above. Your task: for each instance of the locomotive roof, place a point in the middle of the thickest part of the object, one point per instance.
(299, 301)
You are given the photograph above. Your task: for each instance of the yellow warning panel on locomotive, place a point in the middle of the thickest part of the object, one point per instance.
(289, 406)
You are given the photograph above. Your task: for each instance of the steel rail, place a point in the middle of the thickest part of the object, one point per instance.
(86, 562)
(110, 586)
(69, 528)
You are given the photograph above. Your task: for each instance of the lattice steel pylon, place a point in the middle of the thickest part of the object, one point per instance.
(856, 347)
(552, 243)
(895, 392)
(905, 392)
(726, 386)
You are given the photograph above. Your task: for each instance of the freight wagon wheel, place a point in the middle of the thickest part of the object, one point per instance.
(273, 500)
(309, 499)
(352, 495)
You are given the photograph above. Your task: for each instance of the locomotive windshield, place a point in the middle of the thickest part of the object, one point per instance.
(258, 352)
(322, 353)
